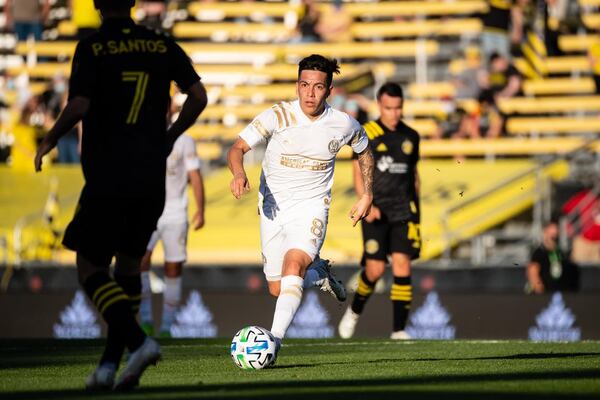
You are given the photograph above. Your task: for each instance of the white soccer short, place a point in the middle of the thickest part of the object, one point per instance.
(302, 227)
(174, 239)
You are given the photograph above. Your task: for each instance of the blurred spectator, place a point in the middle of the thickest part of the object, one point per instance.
(504, 79)
(355, 105)
(307, 23)
(549, 269)
(522, 21)
(469, 81)
(460, 124)
(586, 243)
(496, 24)
(334, 24)
(152, 13)
(27, 17)
(555, 13)
(85, 17)
(490, 121)
(594, 57)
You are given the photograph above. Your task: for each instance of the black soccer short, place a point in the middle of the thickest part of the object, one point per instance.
(106, 225)
(382, 238)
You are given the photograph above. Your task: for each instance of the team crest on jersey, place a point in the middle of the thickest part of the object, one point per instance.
(407, 147)
(371, 246)
(334, 146)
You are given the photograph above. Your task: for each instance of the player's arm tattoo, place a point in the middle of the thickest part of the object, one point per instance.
(366, 163)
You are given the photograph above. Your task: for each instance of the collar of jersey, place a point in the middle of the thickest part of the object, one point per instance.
(117, 23)
(298, 109)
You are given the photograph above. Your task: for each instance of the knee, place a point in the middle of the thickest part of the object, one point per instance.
(274, 291)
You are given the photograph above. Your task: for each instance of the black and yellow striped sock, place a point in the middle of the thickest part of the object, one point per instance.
(401, 296)
(112, 302)
(132, 286)
(363, 292)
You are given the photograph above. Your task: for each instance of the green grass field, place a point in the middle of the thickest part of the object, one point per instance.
(316, 369)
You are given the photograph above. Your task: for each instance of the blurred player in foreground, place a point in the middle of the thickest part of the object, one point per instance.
(120, 81)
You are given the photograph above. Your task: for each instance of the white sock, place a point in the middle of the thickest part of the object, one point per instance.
(287, 304)
(310, 278)
(146, 303)
(171, 299)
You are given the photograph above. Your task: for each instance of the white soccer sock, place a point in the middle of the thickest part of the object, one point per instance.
(288, 302)
(146, 303)
(171, 299)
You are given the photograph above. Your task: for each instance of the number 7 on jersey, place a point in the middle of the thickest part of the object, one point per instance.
(141, 82)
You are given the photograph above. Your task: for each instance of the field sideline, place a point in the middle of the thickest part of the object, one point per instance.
(318, 369)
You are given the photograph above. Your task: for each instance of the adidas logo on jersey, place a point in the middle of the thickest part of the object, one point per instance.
(381, 147)
(555, 323)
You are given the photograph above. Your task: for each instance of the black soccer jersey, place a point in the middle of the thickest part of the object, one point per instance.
(126, 71)
(396, 154)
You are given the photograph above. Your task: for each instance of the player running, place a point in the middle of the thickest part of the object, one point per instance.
(303, 138)
(392, 227)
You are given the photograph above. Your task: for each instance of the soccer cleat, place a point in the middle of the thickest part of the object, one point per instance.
(348, 324)
(148, 328)
(139, 360)
(329, 283)
(103, 378)
(400, 335)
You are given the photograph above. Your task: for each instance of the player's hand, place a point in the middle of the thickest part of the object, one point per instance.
(239, 185)
(374, 214)
(361, 209)
(198, 220)
(46, 145)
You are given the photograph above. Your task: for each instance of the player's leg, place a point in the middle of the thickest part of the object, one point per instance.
(174, 237)
(376, 247)
(146, 316)
(405, 245)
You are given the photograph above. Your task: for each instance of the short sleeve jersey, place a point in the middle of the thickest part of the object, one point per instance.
(126, 70)
(183, 159)
(396, 154)
(300, 154)
(556, 271)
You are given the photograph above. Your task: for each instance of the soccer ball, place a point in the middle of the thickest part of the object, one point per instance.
(253, 347)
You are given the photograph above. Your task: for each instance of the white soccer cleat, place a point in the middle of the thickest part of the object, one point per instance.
(139, 360)
(329, 283)
(277, 348)
(103, 378)
(348, 324)
(400, 335)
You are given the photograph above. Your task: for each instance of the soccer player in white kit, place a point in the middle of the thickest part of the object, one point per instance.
(303, 138)
(183, 166)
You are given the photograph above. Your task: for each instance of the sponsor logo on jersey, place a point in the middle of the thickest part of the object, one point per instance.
(431, 320)
(194, 320)
(407, 147)
(311, 320)
(299, 162)
(555, 323)
(386, 163)
(77, 321)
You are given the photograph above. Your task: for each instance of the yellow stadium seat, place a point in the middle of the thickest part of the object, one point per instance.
(435, 27)
(431, 90)
(591, 21)
(546, 125)
(540, 105)
(223, 31)
(559, 86)
(576, 43)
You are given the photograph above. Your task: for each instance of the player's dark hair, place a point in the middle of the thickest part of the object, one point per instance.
(392, 89)
(114, 4)
(494, 56)
(316, 62)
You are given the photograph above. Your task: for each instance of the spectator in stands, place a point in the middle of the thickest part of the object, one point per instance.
(355, 105)
(585, 205)
(549, 269)
(460, 124)
(469, 81)
(504, 79)
(555, 12)
(334, 24)
(85, 17)
(594, 57)
(490, 121)
(27, 17)
(153, 13)
(308, 19)
(496, 24)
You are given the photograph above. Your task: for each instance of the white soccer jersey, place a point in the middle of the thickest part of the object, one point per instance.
(300, 155)
(182, 159)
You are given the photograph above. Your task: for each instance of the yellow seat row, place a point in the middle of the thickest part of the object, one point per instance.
(591, 21)
(379, 50)
(554, 104)
(576, 43)
(551, 125)
(220, 10)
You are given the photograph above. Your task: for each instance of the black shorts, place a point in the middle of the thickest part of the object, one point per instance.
(382, 238)
(106, 225)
